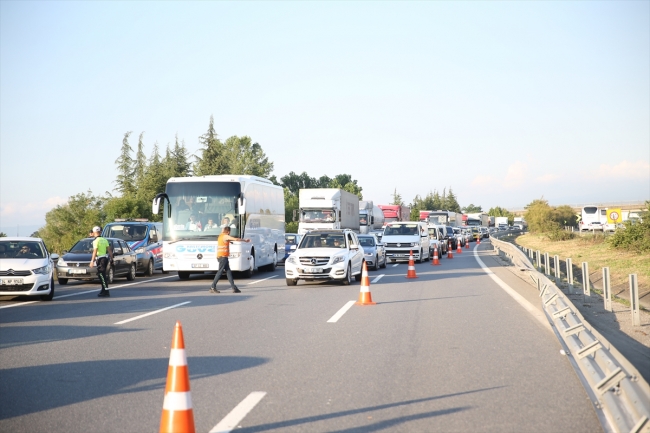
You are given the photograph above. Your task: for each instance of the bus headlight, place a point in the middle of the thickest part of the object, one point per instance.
(234, 255)
(169, 255)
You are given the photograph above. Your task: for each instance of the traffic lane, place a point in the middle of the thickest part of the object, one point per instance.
(96, 383)
(384, 361)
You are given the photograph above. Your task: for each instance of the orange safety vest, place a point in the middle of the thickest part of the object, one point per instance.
(223, 246)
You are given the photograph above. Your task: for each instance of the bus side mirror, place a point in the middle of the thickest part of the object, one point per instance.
(155, 206)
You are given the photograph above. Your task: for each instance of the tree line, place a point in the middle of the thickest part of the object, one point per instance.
(140, 177)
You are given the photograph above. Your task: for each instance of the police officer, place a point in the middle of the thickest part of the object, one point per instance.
(223, 251)
(103, 253)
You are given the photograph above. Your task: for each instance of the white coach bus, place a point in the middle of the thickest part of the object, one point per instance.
(195, 210)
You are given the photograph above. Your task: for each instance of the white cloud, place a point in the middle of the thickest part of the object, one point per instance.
(624, 169)
(516, 174)
(27, 212)
(548, 178)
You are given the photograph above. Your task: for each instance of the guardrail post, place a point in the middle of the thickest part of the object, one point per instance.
(607, 289)
(556, 267)
(539, 261)
(586, 290)
(569, 274)
(547, 267)
(634, 299)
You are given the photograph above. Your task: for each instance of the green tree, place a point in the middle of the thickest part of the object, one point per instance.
(345, 182)
(246, 157)
(125, 168)
(450, 203)
(470, 208)
(295, 182)
(140, 165)
(213, 158)
(498, 211)
(538, 216)
(397, 199)
(290, 204)
(67, 223)
(155, 178)
(176, 161)
(127, 207)
(3, 235)
(564, 215)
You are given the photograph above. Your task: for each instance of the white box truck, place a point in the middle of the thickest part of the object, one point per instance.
(327, 208)
(500, 222)
(371, 217)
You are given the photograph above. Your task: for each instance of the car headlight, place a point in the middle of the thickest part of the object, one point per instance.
(368, 254)
(44, 270)
(337, 259)
(140, 250)
(292, 260)
(61, 262)
(414, 244)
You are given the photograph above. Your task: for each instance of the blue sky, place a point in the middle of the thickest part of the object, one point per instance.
(505, 102)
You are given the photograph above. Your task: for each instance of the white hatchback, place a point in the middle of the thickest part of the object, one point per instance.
(26, 268)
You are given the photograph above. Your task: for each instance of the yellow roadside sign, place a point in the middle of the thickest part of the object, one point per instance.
(614, 216)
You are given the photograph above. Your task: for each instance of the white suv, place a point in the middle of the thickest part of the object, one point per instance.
(325, 255)
(26, 268)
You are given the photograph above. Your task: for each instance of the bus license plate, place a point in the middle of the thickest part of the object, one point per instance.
(313, 270)
(200, 265)
(11, 281)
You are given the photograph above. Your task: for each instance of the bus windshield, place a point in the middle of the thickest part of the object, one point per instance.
(200, 209)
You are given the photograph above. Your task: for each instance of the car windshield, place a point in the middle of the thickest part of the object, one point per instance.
(323, 240)
(84, 246)
(366, 241)
(21, 250)
(401, 230)
(128, 232)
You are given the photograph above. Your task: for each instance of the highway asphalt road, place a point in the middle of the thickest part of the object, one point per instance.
(449, 351)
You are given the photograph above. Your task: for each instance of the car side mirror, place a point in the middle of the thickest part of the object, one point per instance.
(354, 247)
(54, 256)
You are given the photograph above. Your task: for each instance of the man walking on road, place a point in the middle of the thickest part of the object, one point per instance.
(223, 251)
(102, 252)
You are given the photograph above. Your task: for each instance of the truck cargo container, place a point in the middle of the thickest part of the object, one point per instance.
(371, 217)
(327, 208)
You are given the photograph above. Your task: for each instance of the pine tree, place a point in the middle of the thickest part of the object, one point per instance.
(451, 202)
(212, 159)
(125, 168)
(397, 198)
(140, 165)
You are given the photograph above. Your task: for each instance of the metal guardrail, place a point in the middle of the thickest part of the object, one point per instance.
(618, 392)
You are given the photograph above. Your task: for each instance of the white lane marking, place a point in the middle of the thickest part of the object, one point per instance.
(111, 288)
(516, 296)
(341, 312)
(395, 264)
(232, 420)
(149, 314)
(264, 279)
(377, 278)
(18, 304)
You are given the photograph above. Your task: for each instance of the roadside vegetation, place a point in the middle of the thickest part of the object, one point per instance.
(624, 252)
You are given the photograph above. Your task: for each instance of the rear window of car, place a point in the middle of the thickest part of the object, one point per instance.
(366, 241)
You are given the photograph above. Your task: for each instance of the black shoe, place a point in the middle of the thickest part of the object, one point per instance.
(236, 290)
(213, 290)
(104, 294)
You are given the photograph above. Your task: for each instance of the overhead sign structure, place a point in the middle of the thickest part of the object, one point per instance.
(614, 216)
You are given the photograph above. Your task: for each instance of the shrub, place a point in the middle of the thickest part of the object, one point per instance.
(555, 232)
(634, 237)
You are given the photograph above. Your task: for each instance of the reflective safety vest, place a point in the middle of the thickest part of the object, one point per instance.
(223, 246)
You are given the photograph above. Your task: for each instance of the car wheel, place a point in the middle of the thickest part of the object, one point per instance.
(131, 275)
(374, 268)
(249, 273)
(348, 276)
(183, 275)
(149, 271)
(383, 265)
(291, 282)
(63, 281)
(419, 260)
(50, 295)
(111, 275)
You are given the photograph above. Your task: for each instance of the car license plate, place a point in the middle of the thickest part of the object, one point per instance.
(313, 270)
(200, 265)
(11, 281)
(77, 271)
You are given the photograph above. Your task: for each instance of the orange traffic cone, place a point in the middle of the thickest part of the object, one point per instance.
(435, 260)
(478, 239)
(411, 270)
(177, 414)
(467, 244)
(364, 294)
(459, 248)
(450, 254)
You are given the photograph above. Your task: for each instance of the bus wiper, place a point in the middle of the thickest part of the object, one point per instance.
(192, 238)
(178, 240)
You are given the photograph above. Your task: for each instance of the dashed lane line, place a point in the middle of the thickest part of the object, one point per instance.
(264, 279)
(151, 313)
(377, 278)
(341, 312)
(232, 420)
(396, 264)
